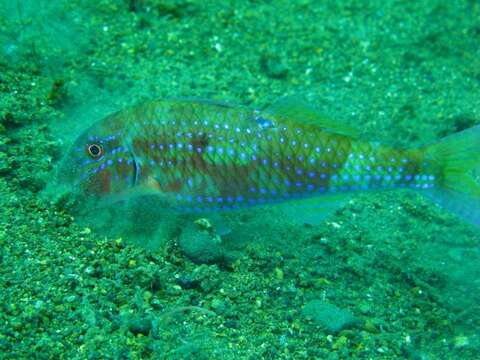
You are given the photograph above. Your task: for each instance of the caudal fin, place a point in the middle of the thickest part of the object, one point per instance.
(458, 156)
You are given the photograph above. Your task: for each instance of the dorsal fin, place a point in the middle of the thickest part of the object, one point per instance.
(194, 100)
(294, 110)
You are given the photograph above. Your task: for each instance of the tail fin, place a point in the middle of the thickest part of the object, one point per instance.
(458, 156)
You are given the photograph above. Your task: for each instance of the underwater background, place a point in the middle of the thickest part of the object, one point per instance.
(389, 275)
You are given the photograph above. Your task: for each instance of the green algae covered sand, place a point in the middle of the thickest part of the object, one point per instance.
(388, 275)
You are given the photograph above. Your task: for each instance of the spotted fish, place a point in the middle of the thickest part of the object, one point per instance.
(202, 155)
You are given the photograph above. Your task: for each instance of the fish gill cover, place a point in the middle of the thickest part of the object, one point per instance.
(385, 275)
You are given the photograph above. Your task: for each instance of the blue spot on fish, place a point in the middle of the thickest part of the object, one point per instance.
(263, 122)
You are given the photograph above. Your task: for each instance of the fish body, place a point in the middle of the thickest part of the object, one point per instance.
(201, 155)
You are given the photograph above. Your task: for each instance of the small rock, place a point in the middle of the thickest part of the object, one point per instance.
(340, 343)
(371, 327)
(332, 318)
(279, 273)
(204, 224)
(219, 306)
(232, 324)
(200, 246)
(273, 66)
(158, 282)
(140, 325)
(460, 341)
(187, 282)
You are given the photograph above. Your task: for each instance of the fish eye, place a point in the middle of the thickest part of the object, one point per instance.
(95, 151)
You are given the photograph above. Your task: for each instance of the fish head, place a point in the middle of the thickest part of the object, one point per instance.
(99, 163)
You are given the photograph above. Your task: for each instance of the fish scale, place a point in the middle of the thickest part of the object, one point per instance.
(204, 155)
(220, 156)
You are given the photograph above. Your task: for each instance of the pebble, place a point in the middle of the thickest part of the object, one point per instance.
(201, 246)
(329, 316)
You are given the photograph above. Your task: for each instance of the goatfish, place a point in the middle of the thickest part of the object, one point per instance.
(208, 156)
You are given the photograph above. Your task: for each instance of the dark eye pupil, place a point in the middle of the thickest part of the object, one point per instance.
(94, 150)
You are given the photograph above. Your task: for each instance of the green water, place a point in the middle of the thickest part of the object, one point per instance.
(387, 276)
